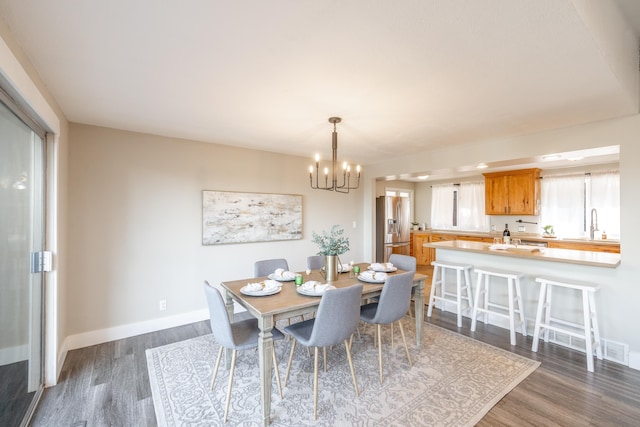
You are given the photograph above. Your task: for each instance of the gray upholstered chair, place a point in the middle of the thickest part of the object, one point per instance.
(393, 305)
(242, 335)
(315, 262)
(336, 320)
(403, 262)
(268, 266)
(407, 263)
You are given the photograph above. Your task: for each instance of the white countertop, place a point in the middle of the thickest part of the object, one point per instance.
(567, 256)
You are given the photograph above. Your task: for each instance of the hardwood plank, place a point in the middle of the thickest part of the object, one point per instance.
(108, 384)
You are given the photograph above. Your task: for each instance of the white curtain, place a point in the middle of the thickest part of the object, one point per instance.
(562, 204)
(470, 212)
(471, 207)
(605, 198)
(442, 206)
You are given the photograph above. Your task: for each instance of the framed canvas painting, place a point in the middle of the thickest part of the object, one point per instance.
(232, 217)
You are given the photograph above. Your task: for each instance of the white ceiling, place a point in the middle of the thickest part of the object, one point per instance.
(405, 76)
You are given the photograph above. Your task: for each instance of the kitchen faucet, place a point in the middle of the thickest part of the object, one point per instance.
(593, 228)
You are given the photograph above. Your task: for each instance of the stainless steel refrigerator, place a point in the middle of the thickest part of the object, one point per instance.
(393, 222)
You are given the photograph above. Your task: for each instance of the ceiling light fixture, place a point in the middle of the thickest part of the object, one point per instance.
(482, 166)
(346, 168)
(423, 177)
(552, 157)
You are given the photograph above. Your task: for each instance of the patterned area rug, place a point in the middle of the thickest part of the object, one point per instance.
(454, 381)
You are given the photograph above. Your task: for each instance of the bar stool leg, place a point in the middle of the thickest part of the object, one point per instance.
(485, 305)
(474, 313)
(541, 304)
(432, 294)
(547, 317)
(594, 321)
(512, 318)
(467, 281)
(587, 330)
(459, 296)
(523, 318)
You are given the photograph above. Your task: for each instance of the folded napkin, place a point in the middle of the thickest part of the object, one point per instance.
(315, 286)
(373, 275)
(281, 272)
(381, 266)
(265, 286)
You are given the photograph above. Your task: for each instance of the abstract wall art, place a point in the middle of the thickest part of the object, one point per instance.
(231, 217)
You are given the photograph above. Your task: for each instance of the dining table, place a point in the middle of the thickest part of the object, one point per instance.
(288, 303)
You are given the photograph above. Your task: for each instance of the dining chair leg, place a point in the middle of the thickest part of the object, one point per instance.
(391, 334)
(324, 357)
(308, 352)
(215, 370)
(353, 372)
(275, 365)
(233, 367)
(379, 327)
(293, 347)
(375, 336)
(405, 342)
(315, 385)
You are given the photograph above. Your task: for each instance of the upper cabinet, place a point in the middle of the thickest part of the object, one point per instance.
(512, 192)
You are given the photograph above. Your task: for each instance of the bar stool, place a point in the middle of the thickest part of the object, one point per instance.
(514, 304)
(439, 274)
(589, 325)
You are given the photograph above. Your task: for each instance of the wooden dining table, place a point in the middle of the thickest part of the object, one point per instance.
(289, 303)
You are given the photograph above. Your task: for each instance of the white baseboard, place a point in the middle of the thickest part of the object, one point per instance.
(14, 354)
(125, 331)
(634, 360)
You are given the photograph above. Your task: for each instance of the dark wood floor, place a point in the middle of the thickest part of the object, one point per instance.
(14, 397)
(107, 384)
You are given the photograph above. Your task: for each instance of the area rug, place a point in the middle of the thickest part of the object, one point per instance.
(454, 381)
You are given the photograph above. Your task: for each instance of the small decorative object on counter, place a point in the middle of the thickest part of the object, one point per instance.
(604, 235)
(548, 230)
(506, 235)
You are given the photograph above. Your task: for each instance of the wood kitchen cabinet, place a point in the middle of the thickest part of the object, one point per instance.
(512, 192)
(585, 246)
(421, 253)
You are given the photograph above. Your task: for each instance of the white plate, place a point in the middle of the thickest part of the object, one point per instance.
(262, 293)
(272, 276)
(345, 268)
(312, 293)
(368, 280)
(383, 270)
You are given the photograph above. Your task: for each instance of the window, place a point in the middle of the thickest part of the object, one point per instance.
(459, 206)
(567, 203)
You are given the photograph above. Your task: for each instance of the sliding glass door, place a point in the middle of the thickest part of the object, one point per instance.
(21, 279)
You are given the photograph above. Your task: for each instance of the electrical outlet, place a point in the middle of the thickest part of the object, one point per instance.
(162, 305)
(520, 228)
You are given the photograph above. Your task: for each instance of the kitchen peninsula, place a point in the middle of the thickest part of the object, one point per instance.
(588, 266)
(569, 256)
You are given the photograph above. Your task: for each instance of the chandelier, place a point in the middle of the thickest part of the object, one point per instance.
(346, 168)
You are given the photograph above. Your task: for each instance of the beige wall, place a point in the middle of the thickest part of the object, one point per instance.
(136, 214)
